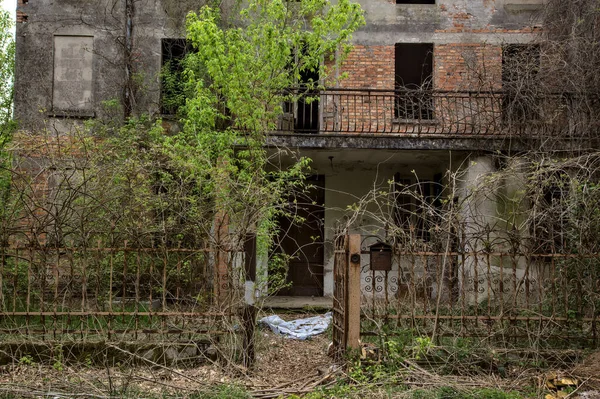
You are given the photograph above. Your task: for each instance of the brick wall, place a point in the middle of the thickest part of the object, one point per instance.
(21, 16)
(457, 66)
(369, 67)
(461, 67)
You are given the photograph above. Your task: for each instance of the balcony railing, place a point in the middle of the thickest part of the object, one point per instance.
(435, 112)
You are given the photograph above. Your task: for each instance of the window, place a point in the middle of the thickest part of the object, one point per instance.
(413, 81)
(520, 69)
(302, 115)
(416, 206)
(415, 1)
(171, 94)
(551, 214)
(72, 91)
(307, 109)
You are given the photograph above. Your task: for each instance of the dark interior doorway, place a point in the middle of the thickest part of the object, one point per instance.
(413, 81)
(307, 117)
(304, 241)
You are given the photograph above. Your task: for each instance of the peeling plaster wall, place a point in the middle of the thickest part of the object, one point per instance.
(351, 175)
(449, 22)
(104, 20)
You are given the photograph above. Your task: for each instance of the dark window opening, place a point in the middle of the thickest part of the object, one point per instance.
(307, 112)
(302, 115)
(417, 206)
(551, 219)
(520, 70)
(415, 1)
(172, 90)
(413, 81)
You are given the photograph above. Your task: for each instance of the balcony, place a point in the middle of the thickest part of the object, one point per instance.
(438, 113)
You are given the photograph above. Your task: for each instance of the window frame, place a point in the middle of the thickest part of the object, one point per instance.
(417, 104)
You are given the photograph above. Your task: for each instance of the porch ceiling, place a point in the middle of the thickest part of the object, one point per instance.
(369, 158)
(391, 142)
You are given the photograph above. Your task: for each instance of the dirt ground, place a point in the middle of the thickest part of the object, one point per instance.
(282, 365)
(280, 361)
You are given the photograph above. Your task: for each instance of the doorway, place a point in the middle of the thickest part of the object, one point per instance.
(304, 241)
(307, 112)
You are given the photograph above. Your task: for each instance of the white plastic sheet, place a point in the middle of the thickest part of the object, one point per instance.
(299, 328)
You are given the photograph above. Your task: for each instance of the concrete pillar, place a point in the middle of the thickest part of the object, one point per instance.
(479, 201)
(478, 217)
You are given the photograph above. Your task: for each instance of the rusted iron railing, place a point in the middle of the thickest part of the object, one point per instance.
(500, 298)
(99, 293)
(531, 300)
(439, 112)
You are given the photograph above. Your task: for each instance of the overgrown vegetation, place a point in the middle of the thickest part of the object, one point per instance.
(128, 217)
(7, 125)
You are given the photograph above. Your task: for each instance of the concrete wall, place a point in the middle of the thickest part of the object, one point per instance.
(448, 21)
(40, 21)
(361, 177)
(481, 25)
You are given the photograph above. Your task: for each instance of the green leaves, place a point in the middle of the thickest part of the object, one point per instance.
(7, 125)
(248, 67)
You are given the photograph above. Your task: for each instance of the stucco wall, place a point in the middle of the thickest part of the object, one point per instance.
(447, 23)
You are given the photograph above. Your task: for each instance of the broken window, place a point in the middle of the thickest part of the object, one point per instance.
(417, 205)
(302, 115)
(172, 87)
(520, 69)
(413, 81)
(72, 91)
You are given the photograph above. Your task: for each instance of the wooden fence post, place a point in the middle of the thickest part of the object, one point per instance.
(353, 290)
(221, 275)
(249, 311)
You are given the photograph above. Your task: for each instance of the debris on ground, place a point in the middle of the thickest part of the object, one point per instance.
(300, 328)
(560, 386)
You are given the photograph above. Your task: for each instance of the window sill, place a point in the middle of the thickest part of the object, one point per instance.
(169, 117)
(72, 114)
(397, 121)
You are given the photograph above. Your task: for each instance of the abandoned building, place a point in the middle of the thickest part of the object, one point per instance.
(424, 97)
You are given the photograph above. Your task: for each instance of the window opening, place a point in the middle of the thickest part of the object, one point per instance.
(416, 206)
(302, 115)
(413, 81)
(171, 95)
(520, 69)
(307, 116)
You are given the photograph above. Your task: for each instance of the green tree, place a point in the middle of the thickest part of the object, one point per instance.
(7, 125)
(237, 79)
(7, 67)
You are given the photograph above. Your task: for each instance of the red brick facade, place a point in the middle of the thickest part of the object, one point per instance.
(457, 66)
(369, 67)
(467, 67)
(464, 69)
(21, 16)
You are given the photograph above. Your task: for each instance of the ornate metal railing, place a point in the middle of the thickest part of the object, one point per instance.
(438, 112)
